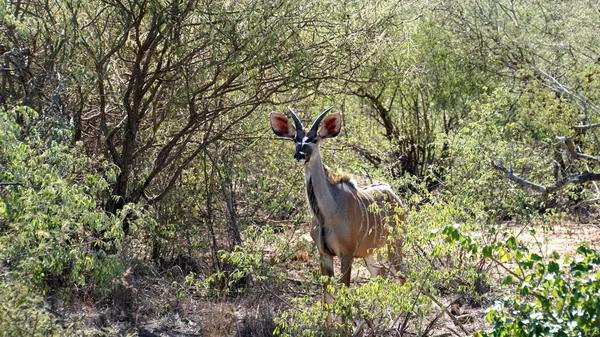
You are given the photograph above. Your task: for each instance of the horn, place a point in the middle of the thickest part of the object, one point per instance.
(315, 126)
(297, 121)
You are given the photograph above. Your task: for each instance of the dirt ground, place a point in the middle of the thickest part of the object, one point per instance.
(151, 305)
(561, 238)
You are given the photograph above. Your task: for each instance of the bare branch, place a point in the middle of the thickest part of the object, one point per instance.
(499, 166)
(587, 157)
(580, 178)
(585, 127)
(445, 309)
(568, 143)
(372, 158)
(584, 177)
(10, 184)
(593, 183)
(560, 88)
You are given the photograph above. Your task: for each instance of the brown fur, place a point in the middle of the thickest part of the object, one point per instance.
(339, 177)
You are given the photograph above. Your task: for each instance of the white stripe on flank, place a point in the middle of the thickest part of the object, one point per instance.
(360, 199)
(372, 201)
(362, 207)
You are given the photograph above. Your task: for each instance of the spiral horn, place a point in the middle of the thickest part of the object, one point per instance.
(297, 121)
(315, 126)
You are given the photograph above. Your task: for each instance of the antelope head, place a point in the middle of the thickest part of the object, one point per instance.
(307, 140)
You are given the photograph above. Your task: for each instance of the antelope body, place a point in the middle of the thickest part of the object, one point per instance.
(347, 221)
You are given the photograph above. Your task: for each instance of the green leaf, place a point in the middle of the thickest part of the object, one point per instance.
(535, 257)
(487, 251)
(508, 280)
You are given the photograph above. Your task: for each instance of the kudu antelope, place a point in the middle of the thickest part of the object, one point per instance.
(345, 221)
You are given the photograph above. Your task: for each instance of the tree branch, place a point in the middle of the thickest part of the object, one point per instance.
(583, 177)
(585, 127)
(10, 184)
(372, 158)
(499, 166)
(587, 157)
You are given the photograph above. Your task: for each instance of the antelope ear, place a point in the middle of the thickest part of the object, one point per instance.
(282, 126)
(331, 126)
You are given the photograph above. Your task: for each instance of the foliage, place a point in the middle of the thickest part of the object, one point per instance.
(50, 213)
(548, 65)
(511, 127)
(247, 266)
(557, 296)
(152, 142)
(23, 313)
(418, 89)
(553, 295)
(377, 307)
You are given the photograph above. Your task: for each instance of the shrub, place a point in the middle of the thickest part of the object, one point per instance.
(247, 265)
(555, 297)
(50, 215)
(552, 296)
(22, 313)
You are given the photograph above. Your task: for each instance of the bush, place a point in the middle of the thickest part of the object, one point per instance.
(376, 308)
(247, 266)
(552, 296)
(555, 297)
(50, 215)
(517, 128)
(22, 313)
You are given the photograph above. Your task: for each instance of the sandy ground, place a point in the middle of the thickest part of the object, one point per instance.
(563, 238)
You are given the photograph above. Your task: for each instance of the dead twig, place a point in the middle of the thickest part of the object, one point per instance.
(445, 309)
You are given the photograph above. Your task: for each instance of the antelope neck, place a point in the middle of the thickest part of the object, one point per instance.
(318, 185)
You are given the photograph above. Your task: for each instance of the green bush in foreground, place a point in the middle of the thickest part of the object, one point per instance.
(373, 309)
(559, 297)
(50, 213)
(23, 313)
(553, 296)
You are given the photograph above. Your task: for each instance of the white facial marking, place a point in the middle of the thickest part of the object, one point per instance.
(304, 140)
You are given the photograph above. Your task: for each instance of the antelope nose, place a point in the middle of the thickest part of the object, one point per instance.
(299, 156)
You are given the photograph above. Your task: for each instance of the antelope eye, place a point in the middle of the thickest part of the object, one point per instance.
(315, 141)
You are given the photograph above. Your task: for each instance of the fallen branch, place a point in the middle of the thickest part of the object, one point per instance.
(570, 147)
(445, 309)
(580, 178)
(499, 166)
(587, 157)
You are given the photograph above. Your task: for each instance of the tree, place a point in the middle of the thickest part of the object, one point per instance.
(552, 61)
(156, 83)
